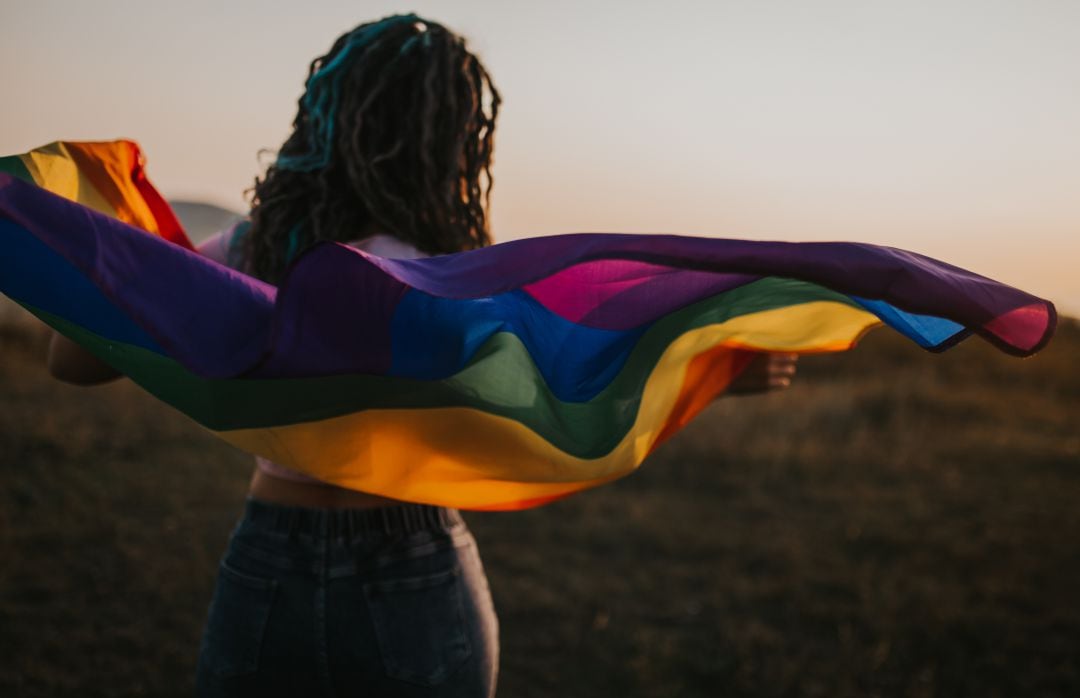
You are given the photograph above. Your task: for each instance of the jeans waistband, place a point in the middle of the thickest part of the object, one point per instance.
(396, 520)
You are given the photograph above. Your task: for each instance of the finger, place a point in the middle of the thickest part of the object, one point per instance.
(786, 362)
(783, 365)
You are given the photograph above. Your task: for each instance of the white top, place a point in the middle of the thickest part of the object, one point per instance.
(216, 247)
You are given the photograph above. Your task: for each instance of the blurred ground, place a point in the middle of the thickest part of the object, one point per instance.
(896, 524)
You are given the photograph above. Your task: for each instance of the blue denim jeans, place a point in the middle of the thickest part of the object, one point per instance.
(354, 602)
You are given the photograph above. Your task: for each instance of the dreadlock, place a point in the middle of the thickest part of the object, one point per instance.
(394, 133)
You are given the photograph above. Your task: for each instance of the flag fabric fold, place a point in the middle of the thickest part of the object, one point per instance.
(499, 378)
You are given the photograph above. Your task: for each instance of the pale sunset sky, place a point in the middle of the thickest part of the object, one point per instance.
(949, 128)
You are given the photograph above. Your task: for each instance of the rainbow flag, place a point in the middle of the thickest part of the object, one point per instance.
(500, 378)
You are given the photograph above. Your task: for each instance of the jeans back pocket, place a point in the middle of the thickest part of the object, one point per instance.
(237, 621)
(420, 626)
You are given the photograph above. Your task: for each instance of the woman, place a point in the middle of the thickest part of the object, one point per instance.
(322, 589)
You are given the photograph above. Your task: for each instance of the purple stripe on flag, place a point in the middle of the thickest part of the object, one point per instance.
(334, 316)
(213, 320)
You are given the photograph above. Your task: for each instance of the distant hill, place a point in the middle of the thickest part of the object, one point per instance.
(201, 219)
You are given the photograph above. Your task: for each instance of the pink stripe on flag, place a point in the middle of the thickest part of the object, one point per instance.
(620, 294)
(1024, 328)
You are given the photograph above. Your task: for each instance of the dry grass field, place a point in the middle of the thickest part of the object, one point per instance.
(896, 524)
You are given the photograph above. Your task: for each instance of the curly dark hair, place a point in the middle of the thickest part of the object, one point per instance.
(394, 133)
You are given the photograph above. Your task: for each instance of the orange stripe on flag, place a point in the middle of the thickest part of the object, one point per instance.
(116, 170)
(708, 374)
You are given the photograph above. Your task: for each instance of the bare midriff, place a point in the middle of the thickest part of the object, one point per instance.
(312, 495)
